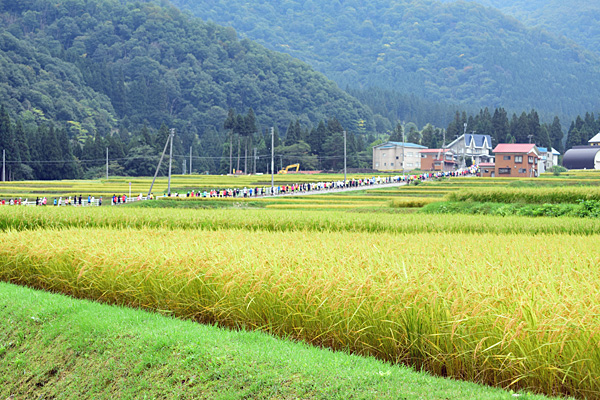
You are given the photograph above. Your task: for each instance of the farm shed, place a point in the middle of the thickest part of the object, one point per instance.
(582, 157)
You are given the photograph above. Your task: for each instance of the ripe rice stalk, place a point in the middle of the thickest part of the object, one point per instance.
(30, 218)
(490, 308)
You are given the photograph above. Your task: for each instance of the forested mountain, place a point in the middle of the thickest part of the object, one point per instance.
(78, 77)
(456, 52)
(94, 63)
(578, 20)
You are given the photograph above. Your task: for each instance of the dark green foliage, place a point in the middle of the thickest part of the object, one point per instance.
(583, 209)
(581, 131)
(397, 135)
(575, 19)
(457, 53)
(95, 61)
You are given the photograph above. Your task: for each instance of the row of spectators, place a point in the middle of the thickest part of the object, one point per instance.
(278, 190)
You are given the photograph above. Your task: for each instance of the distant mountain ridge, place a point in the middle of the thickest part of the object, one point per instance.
(578, 20)
(458, 52)
(92, 64)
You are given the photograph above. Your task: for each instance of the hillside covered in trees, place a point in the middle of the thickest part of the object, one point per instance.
(458, 52)
(97, 64)
(578, 20)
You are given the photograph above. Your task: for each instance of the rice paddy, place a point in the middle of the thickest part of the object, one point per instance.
(509, 301)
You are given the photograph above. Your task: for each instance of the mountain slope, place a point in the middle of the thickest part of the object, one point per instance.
(578, 20)
(459, 52)
(96, 62)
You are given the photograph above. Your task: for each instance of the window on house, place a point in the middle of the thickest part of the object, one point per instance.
(397, 158)
(530, 160)
(376, 165)
(506, 158)
(518, 159)
(392, 164)
(385, 164)
(382, 154)
(522, 170)
(504, 171)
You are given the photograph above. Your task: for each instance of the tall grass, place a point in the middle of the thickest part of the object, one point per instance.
(28, 218)
(516, 311)
(538, 195)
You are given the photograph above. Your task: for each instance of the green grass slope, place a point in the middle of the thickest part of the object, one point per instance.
(56, 347)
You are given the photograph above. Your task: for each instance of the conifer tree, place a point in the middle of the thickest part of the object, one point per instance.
(396, 135)
(556, 135)
(316, 137)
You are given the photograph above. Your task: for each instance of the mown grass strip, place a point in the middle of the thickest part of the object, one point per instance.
(506, 310)
(53, 346)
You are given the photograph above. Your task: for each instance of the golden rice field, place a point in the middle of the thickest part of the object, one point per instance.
(285, 221)
(506, 301)
(517, 310)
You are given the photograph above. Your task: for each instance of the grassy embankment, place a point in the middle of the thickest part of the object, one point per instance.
(53, 346)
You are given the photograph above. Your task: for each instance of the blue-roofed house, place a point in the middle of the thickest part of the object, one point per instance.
(548, 159)
(477, 147)
(397, 156)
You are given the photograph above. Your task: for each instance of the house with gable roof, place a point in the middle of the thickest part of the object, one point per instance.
(516, 159)
(397, 156)
(548, 158)
(478, 147)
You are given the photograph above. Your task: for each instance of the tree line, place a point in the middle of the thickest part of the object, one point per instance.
(242, 144)
(46, 152)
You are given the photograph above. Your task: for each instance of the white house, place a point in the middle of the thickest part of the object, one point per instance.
(478, 147)
(548, 159)
(397, 156)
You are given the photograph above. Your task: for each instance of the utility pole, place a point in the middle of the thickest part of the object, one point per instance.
(172, 135)
(272, 157)
(184, 166)
(403, 146)
(344, 158)
(3, 165)
(190, 160)
(230, 153)
(107, 163)
(246, 159)
(159, 163)
(463, 148)
(255, 159)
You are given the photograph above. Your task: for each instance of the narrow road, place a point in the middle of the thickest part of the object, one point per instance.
(341, 190)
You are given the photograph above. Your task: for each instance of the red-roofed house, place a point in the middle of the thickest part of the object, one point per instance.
(438, 160)
(518, 159)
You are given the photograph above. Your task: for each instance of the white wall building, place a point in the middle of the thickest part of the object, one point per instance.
(397, 156)
(548, 159)
(478, 147)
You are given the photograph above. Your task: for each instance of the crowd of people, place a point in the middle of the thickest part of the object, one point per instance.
(306, 187)
(288, 189)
